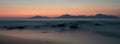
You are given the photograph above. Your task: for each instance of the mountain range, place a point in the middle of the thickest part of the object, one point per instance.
(68, 16)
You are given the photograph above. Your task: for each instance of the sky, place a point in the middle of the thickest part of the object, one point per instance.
(54, 8)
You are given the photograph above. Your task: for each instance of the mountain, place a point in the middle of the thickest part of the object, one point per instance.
(68, 16)
(40, 17)
(65, 16)
(96, 16)
(104, 16)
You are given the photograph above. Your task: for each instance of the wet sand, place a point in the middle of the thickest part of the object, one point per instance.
(52, 37)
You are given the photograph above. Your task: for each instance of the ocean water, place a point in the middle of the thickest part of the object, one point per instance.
(32, 21)
(85, 24)
(47, 22)
(91, 31)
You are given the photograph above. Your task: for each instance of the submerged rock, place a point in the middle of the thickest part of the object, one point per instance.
(97, 24)
(20, 27)
(73, 27)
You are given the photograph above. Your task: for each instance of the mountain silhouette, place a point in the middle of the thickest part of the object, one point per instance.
(96, 16)
(39, 17)
(104, 16)
(68, 16)
(65, 16)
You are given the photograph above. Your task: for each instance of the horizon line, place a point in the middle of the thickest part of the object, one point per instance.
(58, 16)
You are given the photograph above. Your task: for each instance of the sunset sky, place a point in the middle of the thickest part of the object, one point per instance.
(53, 8)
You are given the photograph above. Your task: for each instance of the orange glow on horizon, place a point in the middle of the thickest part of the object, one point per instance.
(29, 12)
(54, 8)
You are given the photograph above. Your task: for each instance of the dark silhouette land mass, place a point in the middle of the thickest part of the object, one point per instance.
(68, 16)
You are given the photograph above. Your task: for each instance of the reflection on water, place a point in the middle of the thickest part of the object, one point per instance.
(65, 37)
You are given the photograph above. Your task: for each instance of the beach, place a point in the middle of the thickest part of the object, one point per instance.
(60, 32)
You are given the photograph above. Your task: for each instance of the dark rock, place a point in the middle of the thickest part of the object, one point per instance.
(20, 27)
(74, 27)
(10, 28)
(61, 25)
(97, 24)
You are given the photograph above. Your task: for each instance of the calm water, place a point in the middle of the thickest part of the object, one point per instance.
(27, 22)
(77, 37)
